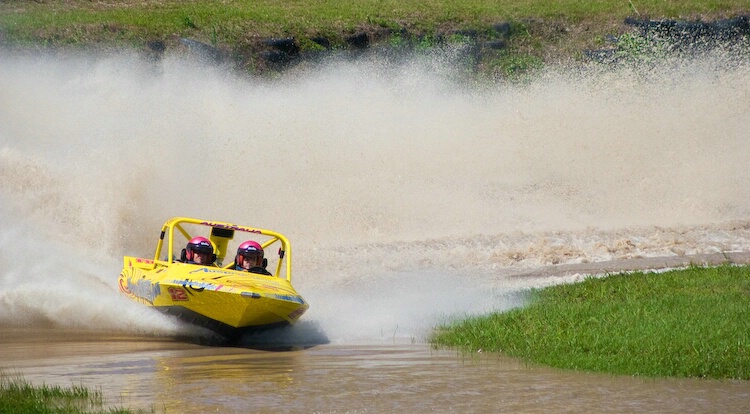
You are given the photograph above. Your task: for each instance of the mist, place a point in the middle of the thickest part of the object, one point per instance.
(402, 185)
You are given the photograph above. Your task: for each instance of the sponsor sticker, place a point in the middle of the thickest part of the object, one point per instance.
(177, 294)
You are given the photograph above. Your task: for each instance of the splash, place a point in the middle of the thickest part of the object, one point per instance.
(402, 186)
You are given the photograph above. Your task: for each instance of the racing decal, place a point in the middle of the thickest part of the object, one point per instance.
(197, 286)
(232, 227)
(211, 270)
(289, 298)
(142, 289)
(226, 285)
(177, 294)
(123, 286)
(139, 260)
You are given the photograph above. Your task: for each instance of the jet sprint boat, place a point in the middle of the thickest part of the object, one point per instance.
(216, 296)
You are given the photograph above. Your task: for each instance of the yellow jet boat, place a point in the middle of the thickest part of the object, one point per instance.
(216, 296)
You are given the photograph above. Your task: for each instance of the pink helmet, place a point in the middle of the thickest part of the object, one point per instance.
(198, 245)
(248, 249)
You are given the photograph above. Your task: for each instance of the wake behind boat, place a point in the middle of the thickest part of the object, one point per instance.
(226, 298)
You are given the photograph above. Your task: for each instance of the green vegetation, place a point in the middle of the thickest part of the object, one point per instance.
(19, 397)
(683, 323)
(550, 30)
(233, 20)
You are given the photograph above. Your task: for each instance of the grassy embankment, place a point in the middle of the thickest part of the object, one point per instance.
(540, 31)
(19, 397)
(683, 323)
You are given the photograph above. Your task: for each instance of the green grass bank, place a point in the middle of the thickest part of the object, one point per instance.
(693, 322)
(525, 33)
(17, 396)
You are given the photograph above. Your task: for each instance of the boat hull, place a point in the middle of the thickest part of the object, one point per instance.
(223, 300)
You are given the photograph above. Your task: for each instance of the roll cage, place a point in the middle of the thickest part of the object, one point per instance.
(222, 237)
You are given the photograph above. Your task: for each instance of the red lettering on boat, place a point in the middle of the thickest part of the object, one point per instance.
(177, 294)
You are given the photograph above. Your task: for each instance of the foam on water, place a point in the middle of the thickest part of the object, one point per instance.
(401, 188)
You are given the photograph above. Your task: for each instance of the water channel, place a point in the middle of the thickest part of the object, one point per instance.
(411, 196)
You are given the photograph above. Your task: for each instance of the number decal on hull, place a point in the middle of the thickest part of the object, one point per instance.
(177, 294)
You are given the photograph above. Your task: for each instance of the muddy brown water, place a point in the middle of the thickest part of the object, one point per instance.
(178, 377)
(183, 375)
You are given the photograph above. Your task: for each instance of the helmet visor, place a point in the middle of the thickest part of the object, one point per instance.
(201, 257)
(201, 248)
(250, 253)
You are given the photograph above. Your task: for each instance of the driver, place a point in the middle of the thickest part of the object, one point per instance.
(250, 258)
(199, 250)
